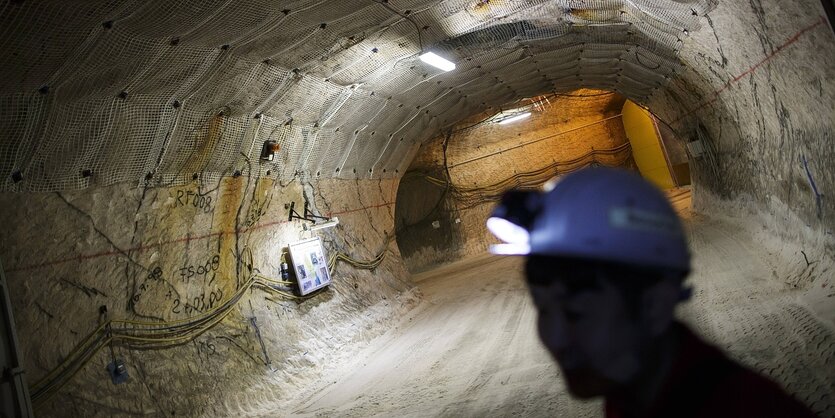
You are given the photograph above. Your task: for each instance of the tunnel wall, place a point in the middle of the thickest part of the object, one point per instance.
(170, 253)
(757, 90)
(759, 83)
(483, 159)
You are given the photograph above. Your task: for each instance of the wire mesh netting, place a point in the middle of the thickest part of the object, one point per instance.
(156, 92)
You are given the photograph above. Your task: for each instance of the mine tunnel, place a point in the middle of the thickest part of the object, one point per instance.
(277, 208)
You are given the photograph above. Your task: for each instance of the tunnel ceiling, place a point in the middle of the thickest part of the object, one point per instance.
(157, 92)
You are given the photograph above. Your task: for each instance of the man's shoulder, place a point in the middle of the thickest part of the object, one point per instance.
(735, 390)
(747, 393)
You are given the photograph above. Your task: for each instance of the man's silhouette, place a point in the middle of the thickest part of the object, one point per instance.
(606, 262)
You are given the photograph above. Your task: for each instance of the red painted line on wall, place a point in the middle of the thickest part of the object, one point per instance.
(262, 226)
(753, 68)
(185, 239)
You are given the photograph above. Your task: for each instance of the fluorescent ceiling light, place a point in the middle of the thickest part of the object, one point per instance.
(330, 223)
(436, 61)
(515, 118)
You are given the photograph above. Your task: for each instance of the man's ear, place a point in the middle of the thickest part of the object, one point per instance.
(658, 305)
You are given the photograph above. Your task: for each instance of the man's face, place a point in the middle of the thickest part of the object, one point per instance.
(585, 323)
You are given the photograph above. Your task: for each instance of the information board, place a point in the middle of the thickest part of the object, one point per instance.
(310, 264)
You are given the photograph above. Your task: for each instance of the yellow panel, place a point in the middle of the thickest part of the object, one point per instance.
(646, 145)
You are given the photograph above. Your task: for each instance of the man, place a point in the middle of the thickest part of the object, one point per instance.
(607, 258)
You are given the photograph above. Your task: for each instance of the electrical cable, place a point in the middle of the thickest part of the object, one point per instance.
(524, 144)
(542, 99)
(384, 3)
(143, 335)
(638, 58)
(468, 197)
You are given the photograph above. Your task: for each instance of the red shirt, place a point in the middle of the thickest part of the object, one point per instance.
(703, 382)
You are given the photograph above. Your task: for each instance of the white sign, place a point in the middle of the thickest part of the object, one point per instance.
(696, 148)
(310, 265)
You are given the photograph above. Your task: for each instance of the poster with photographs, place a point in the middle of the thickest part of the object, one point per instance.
(310, 264)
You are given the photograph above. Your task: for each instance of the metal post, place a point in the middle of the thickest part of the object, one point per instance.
(14, 393)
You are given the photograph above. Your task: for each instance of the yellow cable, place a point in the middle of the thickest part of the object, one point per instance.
(192, 327)
(102, 326)
(196, 333)
(43, 398)
(70, 356)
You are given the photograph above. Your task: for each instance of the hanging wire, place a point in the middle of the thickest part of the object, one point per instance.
(468, 197)
(384, 3)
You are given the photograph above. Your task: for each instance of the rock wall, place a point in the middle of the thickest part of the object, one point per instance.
(166, 254)
(758, 91)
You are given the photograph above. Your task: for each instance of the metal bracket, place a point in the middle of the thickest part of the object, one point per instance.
(308, 214)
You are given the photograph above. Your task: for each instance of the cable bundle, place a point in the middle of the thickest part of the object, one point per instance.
(144, 335)
(364, 265)
(469, 197)
(133, 335)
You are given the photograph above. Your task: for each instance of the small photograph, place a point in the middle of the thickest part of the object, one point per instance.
(323, 273)
(306, 285)
(314, 258)
(318, 282)
(302, 273)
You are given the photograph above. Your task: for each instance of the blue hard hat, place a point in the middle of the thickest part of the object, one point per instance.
(609, 215)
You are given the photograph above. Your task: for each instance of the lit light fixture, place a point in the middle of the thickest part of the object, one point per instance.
(511, 220)
(508, 231)
(310, 217)
(437, 61)
(514, 118)
(510, 249)
(327, 224)
(551, 184)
